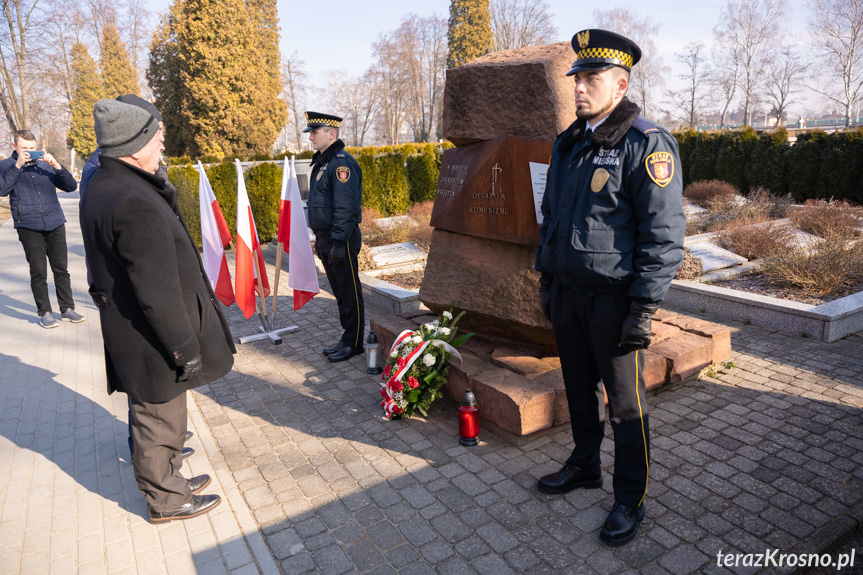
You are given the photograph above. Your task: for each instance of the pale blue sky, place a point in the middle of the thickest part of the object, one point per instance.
(336, 35)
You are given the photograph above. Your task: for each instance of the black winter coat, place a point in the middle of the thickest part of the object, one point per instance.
(612, 209)
(155, 302)
(335, 193)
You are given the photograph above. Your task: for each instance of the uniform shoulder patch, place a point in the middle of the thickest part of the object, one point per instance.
(340, 155)
(343, 173)
(660, 167)
(644, 125)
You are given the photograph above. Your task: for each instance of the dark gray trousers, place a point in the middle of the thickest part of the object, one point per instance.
(158, 433)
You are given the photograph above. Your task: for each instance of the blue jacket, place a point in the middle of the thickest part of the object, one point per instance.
(88, 172)
(32, 192)
(335, 193)
(612, 209)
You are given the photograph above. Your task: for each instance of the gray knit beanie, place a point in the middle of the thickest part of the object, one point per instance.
(122, 129)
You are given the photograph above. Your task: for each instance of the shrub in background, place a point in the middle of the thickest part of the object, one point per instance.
(264, 185)
(686, 143)
(704, 193)
(421, 230)
(842, 161)
(735, 153)
(767, 166)
(755, 241)
(824, 218)
(371, 182)
(393, 184)
(804, 164)
(422, 174)
(703, 156)
(828, 266)
(185, 179)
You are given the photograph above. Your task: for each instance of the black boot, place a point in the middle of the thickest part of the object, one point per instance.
(345, 352)
(332, 349)
(621, 525)
(569, 478)
(199, 505)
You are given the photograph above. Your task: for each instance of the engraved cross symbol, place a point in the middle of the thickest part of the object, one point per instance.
(496, 171)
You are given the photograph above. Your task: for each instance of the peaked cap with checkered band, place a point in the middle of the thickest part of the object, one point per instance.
(316, 120)
(601, 50)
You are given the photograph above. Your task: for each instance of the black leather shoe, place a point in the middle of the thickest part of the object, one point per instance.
(333, 349)
(198, 483)
(621, 525)
(188, 452)
(569, 478)
(199, 505)
(345, 352)
(189, 435)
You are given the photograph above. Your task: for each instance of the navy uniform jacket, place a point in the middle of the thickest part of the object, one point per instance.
(335, 193)
(612, 209)
(33, 192)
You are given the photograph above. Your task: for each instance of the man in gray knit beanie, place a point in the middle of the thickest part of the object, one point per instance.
(159, 317)
(124, 130)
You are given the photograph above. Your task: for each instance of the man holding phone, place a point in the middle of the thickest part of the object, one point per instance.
(31, 179)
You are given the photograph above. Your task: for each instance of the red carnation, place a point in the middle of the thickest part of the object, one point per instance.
(397, 409)
(387, 371)
(397, 385)
(412, 381)
(402, 362)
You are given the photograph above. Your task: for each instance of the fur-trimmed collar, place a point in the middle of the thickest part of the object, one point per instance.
(609, 132)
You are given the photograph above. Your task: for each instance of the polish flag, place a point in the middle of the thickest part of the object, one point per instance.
(293, 231)
(248, 246)
(214, 235)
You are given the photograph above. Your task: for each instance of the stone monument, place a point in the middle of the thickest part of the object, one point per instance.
(503, 112)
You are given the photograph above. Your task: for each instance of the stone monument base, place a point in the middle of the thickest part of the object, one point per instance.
(520, 390)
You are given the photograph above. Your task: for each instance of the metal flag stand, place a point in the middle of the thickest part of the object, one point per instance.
(266, 330)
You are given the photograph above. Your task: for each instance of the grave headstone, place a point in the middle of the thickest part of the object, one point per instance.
(396, 254)
(713, 257)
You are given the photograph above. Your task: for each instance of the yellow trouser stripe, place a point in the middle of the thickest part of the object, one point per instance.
(643, 435)
(357, 297)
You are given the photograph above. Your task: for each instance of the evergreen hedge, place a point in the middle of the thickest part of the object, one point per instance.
(818, 165)
(394, 177)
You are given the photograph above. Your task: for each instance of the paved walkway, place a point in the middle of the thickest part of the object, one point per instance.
(767, 454)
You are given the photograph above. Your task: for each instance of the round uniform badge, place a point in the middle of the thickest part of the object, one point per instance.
(597, 182)
(343, 173)
(660, 168)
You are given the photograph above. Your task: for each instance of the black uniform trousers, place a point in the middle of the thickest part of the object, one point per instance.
(158, 433)
(40, 249)
(587, 324)
(345, 281)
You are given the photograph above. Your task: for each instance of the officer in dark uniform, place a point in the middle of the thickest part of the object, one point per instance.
(335, 212)
(611, 241)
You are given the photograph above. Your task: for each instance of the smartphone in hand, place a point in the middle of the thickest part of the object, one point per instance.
(36, 154)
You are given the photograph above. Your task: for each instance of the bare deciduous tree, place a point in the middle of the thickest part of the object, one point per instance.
(649, 74)
(393, 81)
(135, 29)
(784, 75)
(422, 43)
(356, 100)
(16, 77)
(294, 78)
(521, 23)
(690, 103)
(837, 31)
(751, 28)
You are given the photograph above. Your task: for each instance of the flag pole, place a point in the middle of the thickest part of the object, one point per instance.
(260, 291)
(281, 246)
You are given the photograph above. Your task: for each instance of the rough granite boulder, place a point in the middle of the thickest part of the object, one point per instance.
(537, 101)
(493, 281)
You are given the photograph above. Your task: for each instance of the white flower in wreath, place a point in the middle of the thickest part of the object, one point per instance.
(428, 326)
(445, 330)
(429, 359)
(447, 315)
(395, 352)
(416, 339)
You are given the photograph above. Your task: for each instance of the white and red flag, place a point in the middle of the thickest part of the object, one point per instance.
(214, 237)
(294, 235)
(248, 247)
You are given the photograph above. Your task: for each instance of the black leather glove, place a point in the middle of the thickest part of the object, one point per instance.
(545, 297)
(635, 333)
(191, 369)
(337, 254)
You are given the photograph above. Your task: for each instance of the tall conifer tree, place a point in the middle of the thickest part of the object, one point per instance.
(469, 35)
(163, 75)
(118, 76)
(86, 90)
